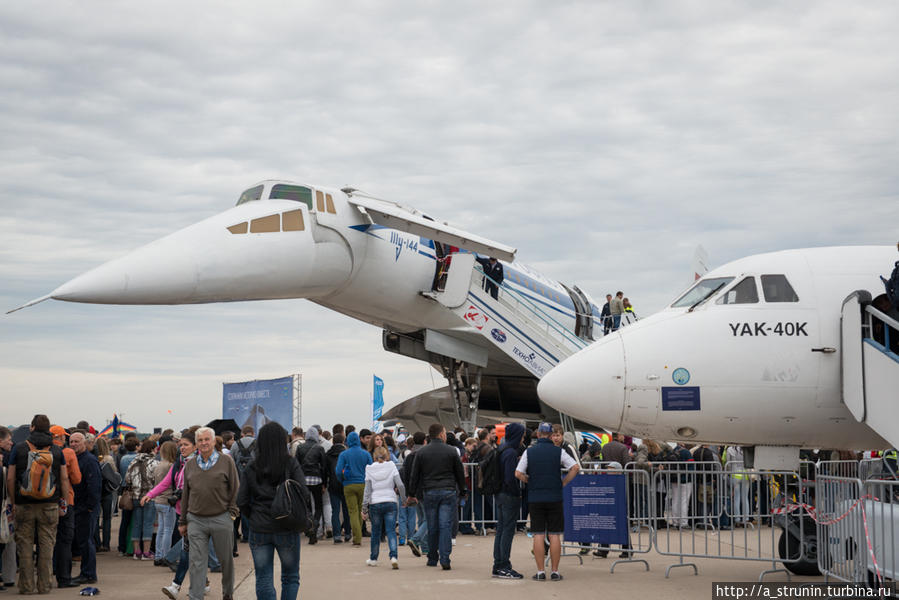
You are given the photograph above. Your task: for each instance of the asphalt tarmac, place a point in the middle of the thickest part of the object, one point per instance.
(329, 570)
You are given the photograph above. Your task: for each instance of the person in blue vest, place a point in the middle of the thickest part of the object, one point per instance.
(540, 467)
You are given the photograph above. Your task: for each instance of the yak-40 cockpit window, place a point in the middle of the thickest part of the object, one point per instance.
(252, 194)
(703, 290)
(296, 193)
(744, 292)
(777, 289)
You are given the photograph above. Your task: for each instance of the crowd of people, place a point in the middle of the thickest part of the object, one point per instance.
(616, 312)
(185, 499)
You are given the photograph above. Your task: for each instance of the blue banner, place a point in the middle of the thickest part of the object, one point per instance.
(258, 402)
(595, 509)
(680, 398)
(377, 403)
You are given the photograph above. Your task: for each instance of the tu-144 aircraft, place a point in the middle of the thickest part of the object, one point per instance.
(379, 262)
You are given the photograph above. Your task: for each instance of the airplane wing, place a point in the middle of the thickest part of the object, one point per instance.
(395, 216)
(501, 400)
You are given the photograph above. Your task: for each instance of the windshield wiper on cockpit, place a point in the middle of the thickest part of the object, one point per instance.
(709, 295)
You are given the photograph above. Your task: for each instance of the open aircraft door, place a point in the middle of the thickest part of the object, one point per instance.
(852, 357)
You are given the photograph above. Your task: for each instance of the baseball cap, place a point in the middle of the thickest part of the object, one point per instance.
(545, 428)
(58, 430)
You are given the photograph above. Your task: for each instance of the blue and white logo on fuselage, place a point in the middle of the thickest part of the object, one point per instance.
(681, 376)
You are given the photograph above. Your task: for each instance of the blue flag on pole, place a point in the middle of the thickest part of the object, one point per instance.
(377, 402)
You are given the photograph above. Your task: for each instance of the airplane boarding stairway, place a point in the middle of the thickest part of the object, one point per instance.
(870, 365)
(514, 323)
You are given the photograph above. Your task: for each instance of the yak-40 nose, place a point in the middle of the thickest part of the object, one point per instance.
(589, 385)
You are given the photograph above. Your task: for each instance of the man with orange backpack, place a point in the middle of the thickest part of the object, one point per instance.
(41, 484)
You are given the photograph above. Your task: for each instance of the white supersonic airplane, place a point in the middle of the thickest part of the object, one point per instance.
(378, 262)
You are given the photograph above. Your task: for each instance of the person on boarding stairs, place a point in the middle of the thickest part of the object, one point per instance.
(493, 275)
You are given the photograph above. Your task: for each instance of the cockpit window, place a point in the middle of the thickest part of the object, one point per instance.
(292, 192)
(254, 193)
(744, 292)
(702, 290)
(777, 289)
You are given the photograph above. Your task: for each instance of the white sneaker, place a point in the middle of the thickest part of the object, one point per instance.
(206, 589)
(371, 563)
(172, 590)
(394, 563)
(454, 541)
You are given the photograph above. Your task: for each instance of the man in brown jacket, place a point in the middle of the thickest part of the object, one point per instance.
(209, 505)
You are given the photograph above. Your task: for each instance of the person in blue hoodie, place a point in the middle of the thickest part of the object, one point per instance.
(350, 472)
(508, 503)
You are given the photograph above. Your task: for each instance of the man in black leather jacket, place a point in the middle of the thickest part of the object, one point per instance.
(438, 478)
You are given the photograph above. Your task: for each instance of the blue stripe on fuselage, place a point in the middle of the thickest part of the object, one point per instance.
(524, 284)
(512, 326)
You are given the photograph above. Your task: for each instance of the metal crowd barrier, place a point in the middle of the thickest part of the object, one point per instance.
(857, 523)
(703, 511)
(638, 487)
(843, 516)
(478, 511)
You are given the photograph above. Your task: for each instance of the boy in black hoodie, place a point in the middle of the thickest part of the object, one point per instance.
(508, 503)
(335, 492)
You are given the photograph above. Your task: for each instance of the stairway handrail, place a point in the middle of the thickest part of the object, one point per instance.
(545, 318)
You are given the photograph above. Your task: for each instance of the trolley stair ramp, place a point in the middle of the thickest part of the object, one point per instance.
(870, 365)
(515, 324)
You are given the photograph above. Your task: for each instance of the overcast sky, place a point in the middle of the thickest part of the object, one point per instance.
(604, 140)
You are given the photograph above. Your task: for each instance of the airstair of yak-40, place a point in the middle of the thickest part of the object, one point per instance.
(870, 365)
(515, 324)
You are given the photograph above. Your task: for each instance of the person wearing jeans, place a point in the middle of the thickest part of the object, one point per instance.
(438, 474)
(380, 501)
(259, 485)
(508, 503)
(164, 500)
(263, 546)
(335, 493)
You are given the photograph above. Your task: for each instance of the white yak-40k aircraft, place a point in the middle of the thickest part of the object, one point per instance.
(379, 262)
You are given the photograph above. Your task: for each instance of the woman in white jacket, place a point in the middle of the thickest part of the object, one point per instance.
(382, 484)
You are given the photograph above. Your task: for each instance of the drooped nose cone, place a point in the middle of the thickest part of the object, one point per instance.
(589, 385)
(218, 260)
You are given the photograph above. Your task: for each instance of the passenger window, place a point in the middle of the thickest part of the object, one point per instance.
(777, 289)
(744, 292)
(254, 193)
(267, 224)
(330, 202)
(292, 221)
(239, 228)
(319, 201)
(292, 192)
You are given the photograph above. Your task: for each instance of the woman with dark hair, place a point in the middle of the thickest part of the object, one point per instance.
(258, 484)
(139, 479)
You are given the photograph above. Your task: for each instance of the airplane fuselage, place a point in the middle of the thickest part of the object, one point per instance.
(749, 365)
